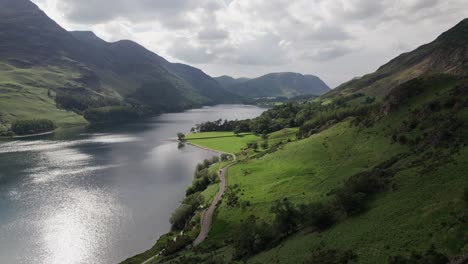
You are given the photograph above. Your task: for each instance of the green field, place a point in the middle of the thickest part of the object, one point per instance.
(231, 143)
(222, 141)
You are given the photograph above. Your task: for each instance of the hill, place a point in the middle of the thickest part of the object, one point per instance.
(57, 74)
(285, 84)
(368, 180)
(228, 81)
(446, 54)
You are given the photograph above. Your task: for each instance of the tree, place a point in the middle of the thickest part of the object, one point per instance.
(264, 145)
(318, 215)
(181, 136)
(286, 217)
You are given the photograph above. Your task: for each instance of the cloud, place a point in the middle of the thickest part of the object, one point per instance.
(213, 34)
(327, 53)
(337, 39)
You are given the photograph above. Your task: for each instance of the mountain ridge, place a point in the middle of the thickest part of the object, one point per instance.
(446, 54)
(279, 84)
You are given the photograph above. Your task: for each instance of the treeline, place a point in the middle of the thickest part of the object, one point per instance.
(346, 201)
(101, 110)
(180, 219)
(111, 114)
(29, 127)
(309, 116)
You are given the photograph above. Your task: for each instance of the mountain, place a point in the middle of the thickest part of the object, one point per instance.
(72, 72)
(286, 84)
(446, 54)
(228, 81)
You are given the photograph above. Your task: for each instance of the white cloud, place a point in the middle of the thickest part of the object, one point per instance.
(334, 39)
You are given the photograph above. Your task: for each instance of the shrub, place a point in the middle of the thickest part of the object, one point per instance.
(318, 215)
(286, 217)
(252, 238)
(180, 243)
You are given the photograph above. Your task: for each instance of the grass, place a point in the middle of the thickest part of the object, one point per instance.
(23, 95)
(222, 141)
(303, 171)
(232, 143)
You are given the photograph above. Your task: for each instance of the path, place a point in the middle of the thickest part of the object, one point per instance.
(208, 214)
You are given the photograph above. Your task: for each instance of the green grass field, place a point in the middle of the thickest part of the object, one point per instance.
(222, 141)
(231, 143)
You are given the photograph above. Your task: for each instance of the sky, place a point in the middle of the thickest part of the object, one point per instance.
(336, 40)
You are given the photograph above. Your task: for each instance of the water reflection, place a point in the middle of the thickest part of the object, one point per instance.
(98, 194)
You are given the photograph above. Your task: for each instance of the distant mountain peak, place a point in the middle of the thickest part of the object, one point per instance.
(284, 84)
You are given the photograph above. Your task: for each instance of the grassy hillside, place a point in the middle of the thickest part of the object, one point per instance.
(25, 94)
(446, 54)
(420, 201)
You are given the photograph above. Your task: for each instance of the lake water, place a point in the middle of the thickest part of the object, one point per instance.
(97, 195)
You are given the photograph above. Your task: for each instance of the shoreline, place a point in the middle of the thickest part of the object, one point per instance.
(205, 223)
(32, 135)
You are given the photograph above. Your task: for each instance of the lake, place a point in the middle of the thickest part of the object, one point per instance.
(98, 194)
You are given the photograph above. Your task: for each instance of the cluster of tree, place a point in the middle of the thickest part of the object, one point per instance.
(238, 126)
(177, 244)
(34, 126)
(202, 179)
(435, 123)
(111, 114)
(79, 103)
(327, 118)
(309, 115)
(346, 201)
(182, 215)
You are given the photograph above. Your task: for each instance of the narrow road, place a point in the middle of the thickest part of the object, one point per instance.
(208, 214)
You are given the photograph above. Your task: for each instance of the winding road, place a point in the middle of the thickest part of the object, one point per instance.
(207, 215)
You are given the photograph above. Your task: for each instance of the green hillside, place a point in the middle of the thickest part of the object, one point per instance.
(375, 175)
(418, 198)
(446, 54)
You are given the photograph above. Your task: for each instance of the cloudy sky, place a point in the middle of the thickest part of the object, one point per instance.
(333, 39)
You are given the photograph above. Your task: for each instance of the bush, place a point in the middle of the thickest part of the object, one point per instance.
(286, 217)
(252, 238)
(180, 217)
(185, 212)
(28, 127)
(318, 215)
(180, 243)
